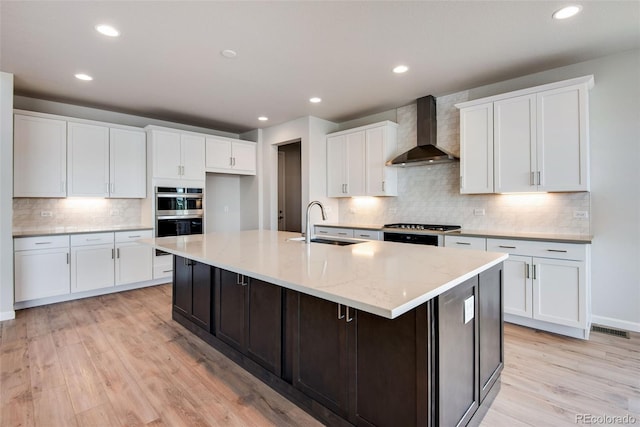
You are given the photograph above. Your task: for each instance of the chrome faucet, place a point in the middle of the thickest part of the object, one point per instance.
(307, 233)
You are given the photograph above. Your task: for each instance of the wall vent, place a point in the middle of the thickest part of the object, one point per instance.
(610, 331)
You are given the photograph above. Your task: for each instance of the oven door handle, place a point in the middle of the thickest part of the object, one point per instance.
(179, 195)
(179, 217)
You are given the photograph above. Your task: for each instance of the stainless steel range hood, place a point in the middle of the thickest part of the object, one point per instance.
(426, 153)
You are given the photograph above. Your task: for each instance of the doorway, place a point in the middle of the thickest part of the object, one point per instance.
(290, 187)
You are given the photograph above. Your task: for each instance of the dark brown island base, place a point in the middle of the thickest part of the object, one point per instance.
(438, 364)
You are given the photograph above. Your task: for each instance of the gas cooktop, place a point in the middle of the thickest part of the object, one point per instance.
(428, 227)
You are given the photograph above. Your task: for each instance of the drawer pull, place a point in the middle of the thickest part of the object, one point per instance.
(167, 271)
(365, 235)
(557, 250)
(43, 243)
(507, 247)
(463, 243)
(93, 240)
(342, 234)
(323, 232)
(134, 237)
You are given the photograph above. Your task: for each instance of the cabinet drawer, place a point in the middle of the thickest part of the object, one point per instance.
(42, 242)
(132, 236)
(91, 239)
(464, 242)
(334, 231)
(367, 234)
(538, 249)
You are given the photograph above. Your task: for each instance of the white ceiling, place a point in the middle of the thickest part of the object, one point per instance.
(167, 62)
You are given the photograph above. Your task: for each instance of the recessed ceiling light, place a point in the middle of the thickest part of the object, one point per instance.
(315, 99)
(82, 76)
(567, 12)
(401, 69)
(107, 30)
(228, 53)
(263, 118)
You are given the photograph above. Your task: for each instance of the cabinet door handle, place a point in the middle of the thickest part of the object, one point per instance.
(382, 186)
(113, 188)
(230, 161)
(68, 258)
(234, 161)
(349, 318)
(340, 315)
(539, 179)
(113, 253)
(534, 272)
(526, 271)
(463, 243)
(240, 280)
(557, 250)
(43, 243)
(118, 253)
(532, 179)
(346, 188)
(507, 247)
(106, 188)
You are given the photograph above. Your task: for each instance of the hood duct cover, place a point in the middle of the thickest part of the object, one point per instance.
(426, 153)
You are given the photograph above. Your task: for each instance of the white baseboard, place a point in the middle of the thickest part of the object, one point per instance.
(7, 315)
(616, 323)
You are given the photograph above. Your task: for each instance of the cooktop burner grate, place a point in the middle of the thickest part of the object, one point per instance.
(429, 227)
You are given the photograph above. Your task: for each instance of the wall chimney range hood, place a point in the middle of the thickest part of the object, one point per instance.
(426, 153)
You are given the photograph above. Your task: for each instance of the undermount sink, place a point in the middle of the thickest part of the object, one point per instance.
(336, 242)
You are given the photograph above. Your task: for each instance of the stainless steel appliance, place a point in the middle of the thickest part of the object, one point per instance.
(419, 234)
(179, 211)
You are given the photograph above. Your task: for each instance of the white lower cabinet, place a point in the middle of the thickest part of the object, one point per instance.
(92, 261)
(358, 233)
(548, 283)
(41, 267)
(465, 242)
(134, 262)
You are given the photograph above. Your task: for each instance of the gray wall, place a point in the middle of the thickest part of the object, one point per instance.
(6, 193)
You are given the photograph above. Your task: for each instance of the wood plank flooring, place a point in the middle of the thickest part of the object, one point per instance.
(119, 360)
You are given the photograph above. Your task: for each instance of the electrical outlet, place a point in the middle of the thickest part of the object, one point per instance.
(46, 213)
(115, 212)
(478, 212)
(469, 309)
(581, 214)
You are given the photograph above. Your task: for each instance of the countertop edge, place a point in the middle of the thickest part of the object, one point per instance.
(16, 234)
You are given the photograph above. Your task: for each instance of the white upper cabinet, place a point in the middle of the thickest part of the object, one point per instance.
(346, 164)
(127, 163)
(476, 149)
(39, 157)
(226, 155)
(177, 155)
(356, 161)
(381, 145)
(93, 158)
(563, 139)
(515, 144)
(539, 138)
(87, 160)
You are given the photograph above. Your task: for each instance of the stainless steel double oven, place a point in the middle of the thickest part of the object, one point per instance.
(179, 211)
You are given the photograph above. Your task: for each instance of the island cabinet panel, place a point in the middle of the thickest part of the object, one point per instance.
(490, 319)
(249, 317)
(192, 291)
(370, 370)
(321, 340)
(458, 383)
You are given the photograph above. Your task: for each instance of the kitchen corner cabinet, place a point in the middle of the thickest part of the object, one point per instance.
(356, 161)
(192, 291)
(547, 283)
(226, 155)
(39, 157)
(41, 266)
(539, 138)
(177, 155)
(249, 317)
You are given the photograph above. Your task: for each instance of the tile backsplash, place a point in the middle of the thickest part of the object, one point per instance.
(75, 212)
(430, 194)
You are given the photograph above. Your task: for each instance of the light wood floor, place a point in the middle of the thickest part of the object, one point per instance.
(119, 359)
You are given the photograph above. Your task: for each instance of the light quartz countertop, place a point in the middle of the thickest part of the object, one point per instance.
(497, 234)
(382, 278)
(52, 231)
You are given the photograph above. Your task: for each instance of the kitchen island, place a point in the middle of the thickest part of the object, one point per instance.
(373, 333)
